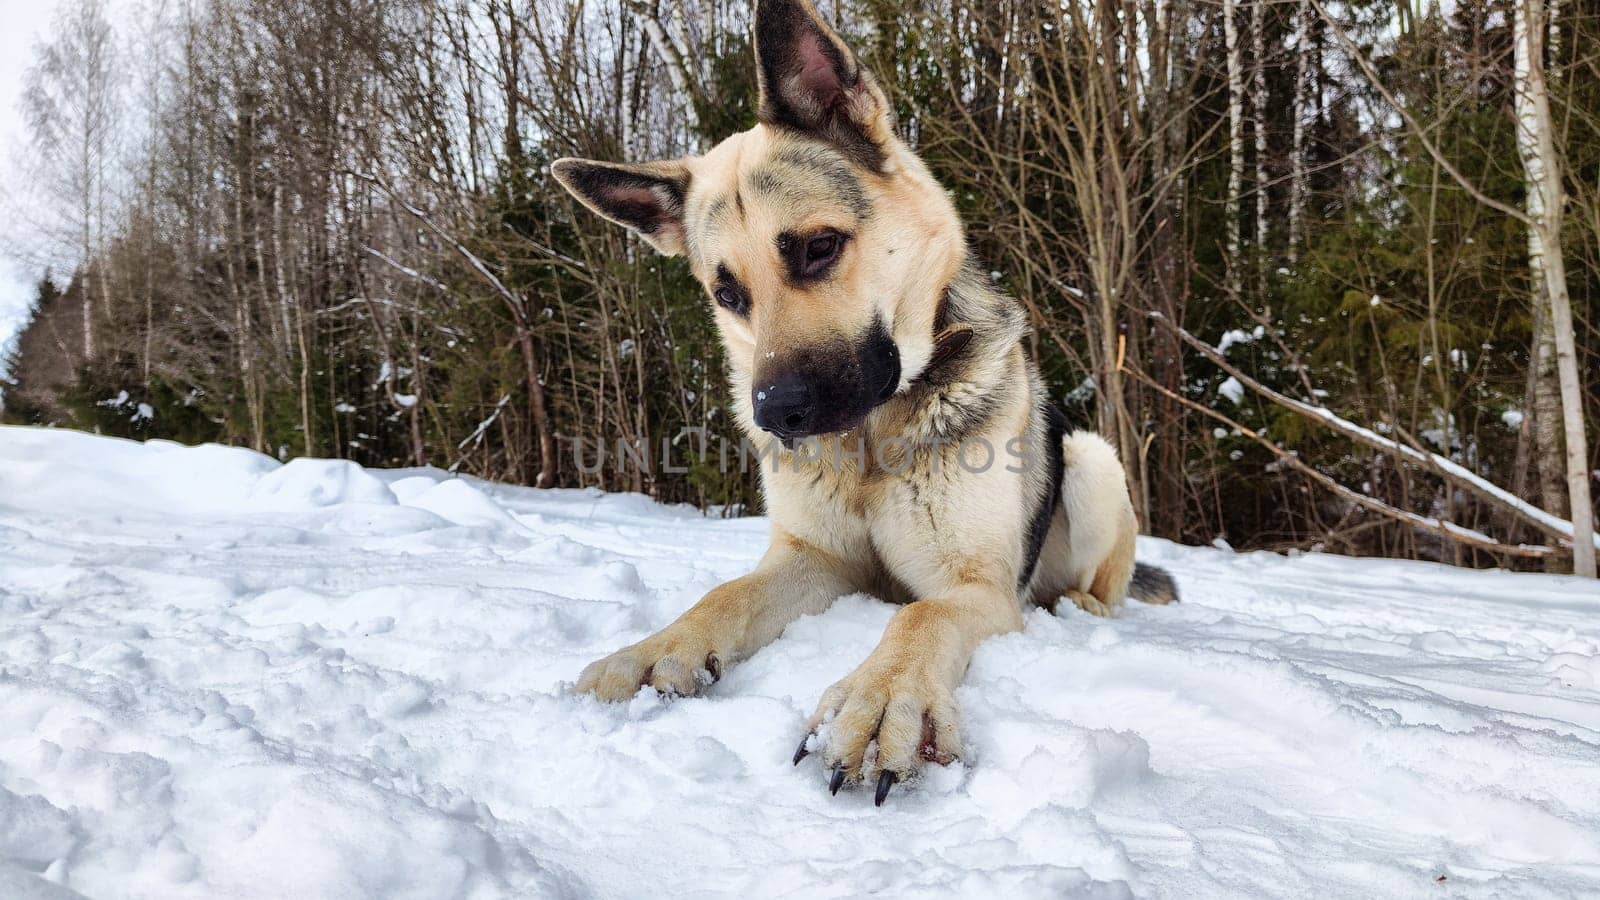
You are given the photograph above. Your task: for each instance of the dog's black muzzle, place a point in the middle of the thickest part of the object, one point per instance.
(827, 389)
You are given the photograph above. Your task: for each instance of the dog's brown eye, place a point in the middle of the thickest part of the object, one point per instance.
(729, 293)
(822, 248)
(821, 252)
(810, 258)
(731, 298)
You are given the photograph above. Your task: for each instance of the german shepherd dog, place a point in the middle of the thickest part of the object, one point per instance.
(865, 342)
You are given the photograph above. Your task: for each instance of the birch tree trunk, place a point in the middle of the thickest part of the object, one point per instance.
(1298, 182)
(86, 211)
(673, 51)
(1230, 31)
(1258, 105)
(1545, 391)
(676, 57)
(1546, 198)
(70, 105)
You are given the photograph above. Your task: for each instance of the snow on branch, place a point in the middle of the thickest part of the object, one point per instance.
(478, 433)
(1442, 527)
(1554, 526)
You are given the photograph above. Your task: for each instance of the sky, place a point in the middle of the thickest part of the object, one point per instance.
(21, 21)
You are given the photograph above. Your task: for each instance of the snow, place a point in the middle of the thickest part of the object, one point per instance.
(1083, 392)
(1232, 389)
(142, 412)
(1239, 336)
(225, 676)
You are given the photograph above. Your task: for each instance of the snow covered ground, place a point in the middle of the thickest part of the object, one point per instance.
(225, 677)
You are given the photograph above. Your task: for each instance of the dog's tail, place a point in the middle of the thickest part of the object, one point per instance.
(1152, 584)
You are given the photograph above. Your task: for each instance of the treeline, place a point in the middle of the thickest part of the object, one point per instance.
(327, 227)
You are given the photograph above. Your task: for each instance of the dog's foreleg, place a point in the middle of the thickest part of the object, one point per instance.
(903, 695)
(734, 620)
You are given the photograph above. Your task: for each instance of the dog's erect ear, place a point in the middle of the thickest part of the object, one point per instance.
(812, 82)
(646, 197)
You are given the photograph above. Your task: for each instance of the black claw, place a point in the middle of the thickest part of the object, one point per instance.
(801, 751)
(886, 780)
(837, 781)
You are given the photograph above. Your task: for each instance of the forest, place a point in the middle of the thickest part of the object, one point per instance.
(1326, 273)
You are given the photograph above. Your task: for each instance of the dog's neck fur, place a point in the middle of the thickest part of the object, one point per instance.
(976, 326)
(965, 384)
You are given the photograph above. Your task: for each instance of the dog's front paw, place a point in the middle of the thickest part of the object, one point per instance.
(884, 720)
(677, 665)
(1093, 605)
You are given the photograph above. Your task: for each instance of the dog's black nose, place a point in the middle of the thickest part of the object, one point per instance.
(786, 408)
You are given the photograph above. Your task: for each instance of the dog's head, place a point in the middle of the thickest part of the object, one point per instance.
(821, 239)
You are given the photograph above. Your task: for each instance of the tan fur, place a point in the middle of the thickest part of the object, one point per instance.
(882, 507)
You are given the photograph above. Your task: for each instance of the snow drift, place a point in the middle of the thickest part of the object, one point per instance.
(222, 676)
